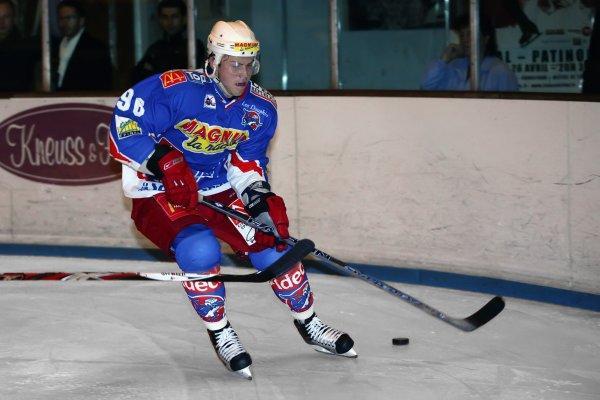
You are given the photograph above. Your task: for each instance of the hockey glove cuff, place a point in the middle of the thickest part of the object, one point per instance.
(267, 208)
(180, 184)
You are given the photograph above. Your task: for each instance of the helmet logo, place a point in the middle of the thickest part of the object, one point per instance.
(248, 46)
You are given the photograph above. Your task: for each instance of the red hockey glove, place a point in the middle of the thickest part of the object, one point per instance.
(177, 178)
(267, 208)
(265, 239)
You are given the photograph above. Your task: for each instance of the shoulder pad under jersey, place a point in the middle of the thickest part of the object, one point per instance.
(264, 94)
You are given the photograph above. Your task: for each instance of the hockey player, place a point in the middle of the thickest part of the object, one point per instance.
(184, 132)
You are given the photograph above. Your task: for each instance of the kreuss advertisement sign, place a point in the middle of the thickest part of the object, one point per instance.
(62, 144)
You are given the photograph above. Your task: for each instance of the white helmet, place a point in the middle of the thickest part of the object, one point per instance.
(234, 39)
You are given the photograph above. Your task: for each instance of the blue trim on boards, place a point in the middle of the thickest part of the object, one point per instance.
(495, 286)
(448, 280)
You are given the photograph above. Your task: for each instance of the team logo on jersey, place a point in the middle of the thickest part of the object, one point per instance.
(209, 139)
(126, 127)
(248, 106)
(252, 119)
(197, 77)
(172, 78)
(210, 101)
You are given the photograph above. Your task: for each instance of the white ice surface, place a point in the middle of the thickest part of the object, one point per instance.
(142, 340)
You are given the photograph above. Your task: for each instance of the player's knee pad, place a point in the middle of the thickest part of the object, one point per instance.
(262, 259)
(196, 249)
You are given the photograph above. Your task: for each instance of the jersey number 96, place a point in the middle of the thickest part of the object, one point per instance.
(124, 103)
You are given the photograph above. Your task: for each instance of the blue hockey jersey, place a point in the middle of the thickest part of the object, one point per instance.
(223, 140)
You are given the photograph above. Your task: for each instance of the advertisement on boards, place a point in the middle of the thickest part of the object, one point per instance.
(552, 59)
(60, 144)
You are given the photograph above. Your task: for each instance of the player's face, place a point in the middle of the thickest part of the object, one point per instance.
(171, 20)
(7, 20)
(69, 22)
(234, 73)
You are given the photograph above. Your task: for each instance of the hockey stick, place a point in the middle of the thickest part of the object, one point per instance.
(301, 249)
(470, 323)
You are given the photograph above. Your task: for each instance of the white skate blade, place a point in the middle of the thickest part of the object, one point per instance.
(244, 373)
(350, 353)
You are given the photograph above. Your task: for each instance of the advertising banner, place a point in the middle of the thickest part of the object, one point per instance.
(552, 61)
(61, 144)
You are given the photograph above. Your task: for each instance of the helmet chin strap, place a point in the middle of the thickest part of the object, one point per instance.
(213, 74)
(222, 87)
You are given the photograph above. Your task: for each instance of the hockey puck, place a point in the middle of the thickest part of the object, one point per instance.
(400, 341)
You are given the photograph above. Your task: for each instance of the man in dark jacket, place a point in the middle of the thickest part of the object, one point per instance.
(17, 56)
(170, 52)
(80, 62)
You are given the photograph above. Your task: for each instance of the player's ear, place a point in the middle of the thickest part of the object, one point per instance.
(210, 65)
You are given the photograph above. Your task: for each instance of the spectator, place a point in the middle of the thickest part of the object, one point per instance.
(451, 71)
(81, 62)
(170, 52)
(17, 57)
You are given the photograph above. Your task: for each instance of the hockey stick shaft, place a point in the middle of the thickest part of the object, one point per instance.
(476, 320)
(295, 254)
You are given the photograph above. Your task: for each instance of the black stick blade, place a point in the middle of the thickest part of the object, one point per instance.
(301, 249)
(484, 315)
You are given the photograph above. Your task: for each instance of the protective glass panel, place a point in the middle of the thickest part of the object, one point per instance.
(387, 44)
(293, 35)
(83, 35)
(532, 45)
(382, 44)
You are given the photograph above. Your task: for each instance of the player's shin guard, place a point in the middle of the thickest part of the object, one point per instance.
(208, 299)
(293, 289)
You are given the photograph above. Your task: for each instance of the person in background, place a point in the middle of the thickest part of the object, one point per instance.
(170, 52)
(451, 71)
(80, 62)
(17, 55)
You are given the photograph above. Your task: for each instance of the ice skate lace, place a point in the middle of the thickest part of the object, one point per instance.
(228, 344)
(322, 334)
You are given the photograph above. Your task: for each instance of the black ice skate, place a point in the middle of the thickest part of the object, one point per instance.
(325, 338)
(230, 351)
